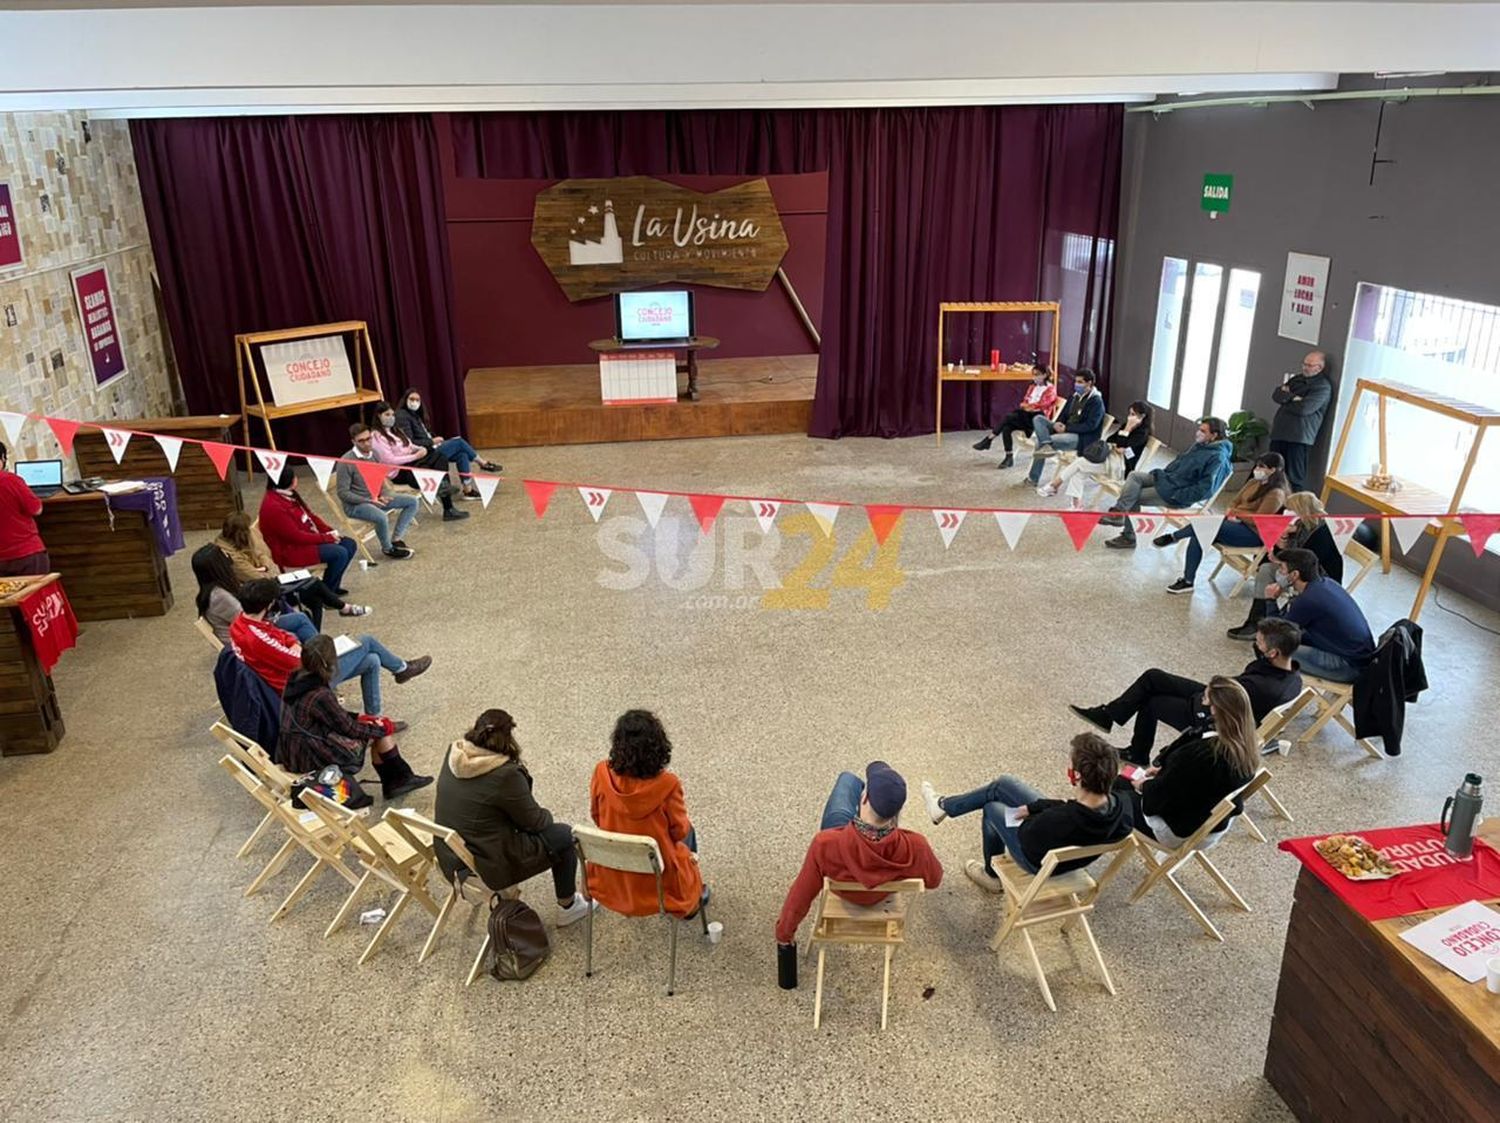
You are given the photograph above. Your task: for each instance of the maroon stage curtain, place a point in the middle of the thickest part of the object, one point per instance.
(925, 205)
(260, 223)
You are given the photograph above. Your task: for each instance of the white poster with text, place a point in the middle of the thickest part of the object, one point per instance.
(1460, 939)
(307, 370)
(1302, 297)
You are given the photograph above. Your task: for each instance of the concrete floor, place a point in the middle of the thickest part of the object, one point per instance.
(140, 984)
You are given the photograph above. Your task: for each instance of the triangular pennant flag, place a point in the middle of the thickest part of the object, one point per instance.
(1409, 530)
(948, 523)
(64, 431)
(1080, 524)
(1342, 528)
(594, 498)
(1271, 528)
(117, 439)
(1011, 525)
(652, 503)
(428, 482)
(765, 512)
(486, 486)
(374, 473)
(883, 516)
(1146, 523)
(322, 467)
(1479, 528)
(707, 508)
(272, 462)
(824, 514)
(13, 423)
(171, 447)
(220, 454)
(540, 492)
(1205, 528)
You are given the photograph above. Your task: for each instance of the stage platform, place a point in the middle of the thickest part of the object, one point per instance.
(513, 407)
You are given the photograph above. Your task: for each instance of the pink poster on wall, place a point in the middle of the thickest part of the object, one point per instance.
(101, 335)
(10, 233)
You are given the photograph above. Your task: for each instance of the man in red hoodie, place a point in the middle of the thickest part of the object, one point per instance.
(859, 841)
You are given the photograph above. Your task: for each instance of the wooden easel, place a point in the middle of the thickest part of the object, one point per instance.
(983, 373)
(1410, 498)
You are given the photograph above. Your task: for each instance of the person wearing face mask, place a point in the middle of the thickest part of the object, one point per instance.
(1078, 426)
(1301, 401)
(1336, 640)
(1309, 531)
(411, 422)
(1037, 402)
(1263, 494)
(391, 446)
(1269, 680)
(1190, 479)
(297, 538)
(1126, 445)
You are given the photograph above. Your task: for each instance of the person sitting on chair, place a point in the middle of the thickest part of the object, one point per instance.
(1190, 478)
(273, 652)
(317, 732)
(357, 502)
(1336, 641)
(411, 422)
(1126, 445)
(297, 538)
(1036, 402)
(1096, 814)
(633, 793)
(484, 792)
(249, 559)
(218, 600)
(1271, 679)
(860, 840)
(1263, 494)
(1077, 427)
(1309, 532)
(1177, 794)
(391, 447)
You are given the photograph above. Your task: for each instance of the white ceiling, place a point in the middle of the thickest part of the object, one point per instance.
(198, 57)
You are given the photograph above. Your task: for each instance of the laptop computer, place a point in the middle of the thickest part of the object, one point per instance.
(44, 477)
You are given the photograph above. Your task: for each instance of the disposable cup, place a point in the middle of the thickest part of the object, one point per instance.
(716, 933)
(1492, 975)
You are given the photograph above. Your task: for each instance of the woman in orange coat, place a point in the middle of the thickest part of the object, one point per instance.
(633, 793)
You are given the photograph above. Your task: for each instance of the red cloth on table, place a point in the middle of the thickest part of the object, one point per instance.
(1431, 878)
(50, 619)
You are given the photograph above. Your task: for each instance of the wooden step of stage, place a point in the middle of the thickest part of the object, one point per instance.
(513, 407)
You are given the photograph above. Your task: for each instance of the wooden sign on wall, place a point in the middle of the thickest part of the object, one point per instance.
(602, 236)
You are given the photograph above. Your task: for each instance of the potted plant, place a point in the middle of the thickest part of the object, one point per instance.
(1246, 432)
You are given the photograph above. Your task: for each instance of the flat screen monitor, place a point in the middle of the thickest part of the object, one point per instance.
(650, 317)
(40, 473)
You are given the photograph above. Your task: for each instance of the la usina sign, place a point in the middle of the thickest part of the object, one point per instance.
(602, 236)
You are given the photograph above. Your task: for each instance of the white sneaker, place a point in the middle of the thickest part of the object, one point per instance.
(575, 912)
(977, 874)
(1046, 491)
(930, 798)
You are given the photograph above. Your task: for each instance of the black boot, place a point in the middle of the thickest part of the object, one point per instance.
(1257, 613)
(1008, 462)
(984, 442)
(396, 776)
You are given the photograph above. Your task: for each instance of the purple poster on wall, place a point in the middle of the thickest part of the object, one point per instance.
(96, 312)
(10, 233)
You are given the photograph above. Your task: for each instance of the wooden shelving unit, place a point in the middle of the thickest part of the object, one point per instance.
(983, 373)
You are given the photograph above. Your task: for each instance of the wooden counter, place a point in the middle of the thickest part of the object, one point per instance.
(1367, 1027)
(30, 720)
(202, 498)
(109, 574)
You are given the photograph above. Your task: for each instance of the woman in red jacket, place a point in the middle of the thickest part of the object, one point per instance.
(297, 538)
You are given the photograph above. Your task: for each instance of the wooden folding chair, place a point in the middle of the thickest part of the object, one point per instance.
(1047, 896)
(882, 924)
(1244, 560)
(1114, 487)
(388, 854)
(249, 753)
(1163, 864)
(205, 629)
(1362, 556)
(632, 853)
(1329, 699)
(304, 831)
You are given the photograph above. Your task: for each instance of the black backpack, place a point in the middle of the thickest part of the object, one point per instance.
(518, 942)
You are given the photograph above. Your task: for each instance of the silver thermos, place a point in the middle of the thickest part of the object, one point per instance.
(1460, 814)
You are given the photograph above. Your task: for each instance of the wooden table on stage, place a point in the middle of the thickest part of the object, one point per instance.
(1367, 1027)
(203, 499)
(110, 574)
(30, 720)
(687, 356)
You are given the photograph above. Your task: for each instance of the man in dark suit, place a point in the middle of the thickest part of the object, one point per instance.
(1301, 401)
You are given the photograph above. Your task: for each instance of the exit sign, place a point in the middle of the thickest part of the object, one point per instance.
(1216, 189)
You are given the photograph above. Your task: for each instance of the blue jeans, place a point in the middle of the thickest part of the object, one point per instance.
(1230, 534)
(459, 452)
(298, 624)
(843, 802)
(997, 838)
(337, 556)
(368, 512)
(366, 661)
(1041, 428)
(1325, 664)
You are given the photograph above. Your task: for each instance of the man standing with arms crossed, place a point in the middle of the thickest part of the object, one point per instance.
(1301, 401)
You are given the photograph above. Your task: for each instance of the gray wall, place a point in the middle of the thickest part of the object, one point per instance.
(1302, 181)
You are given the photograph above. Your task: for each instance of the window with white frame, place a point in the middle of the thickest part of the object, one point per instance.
(1202, 370)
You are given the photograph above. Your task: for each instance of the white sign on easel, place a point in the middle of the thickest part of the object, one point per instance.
(307, 370)
(1302, 297)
